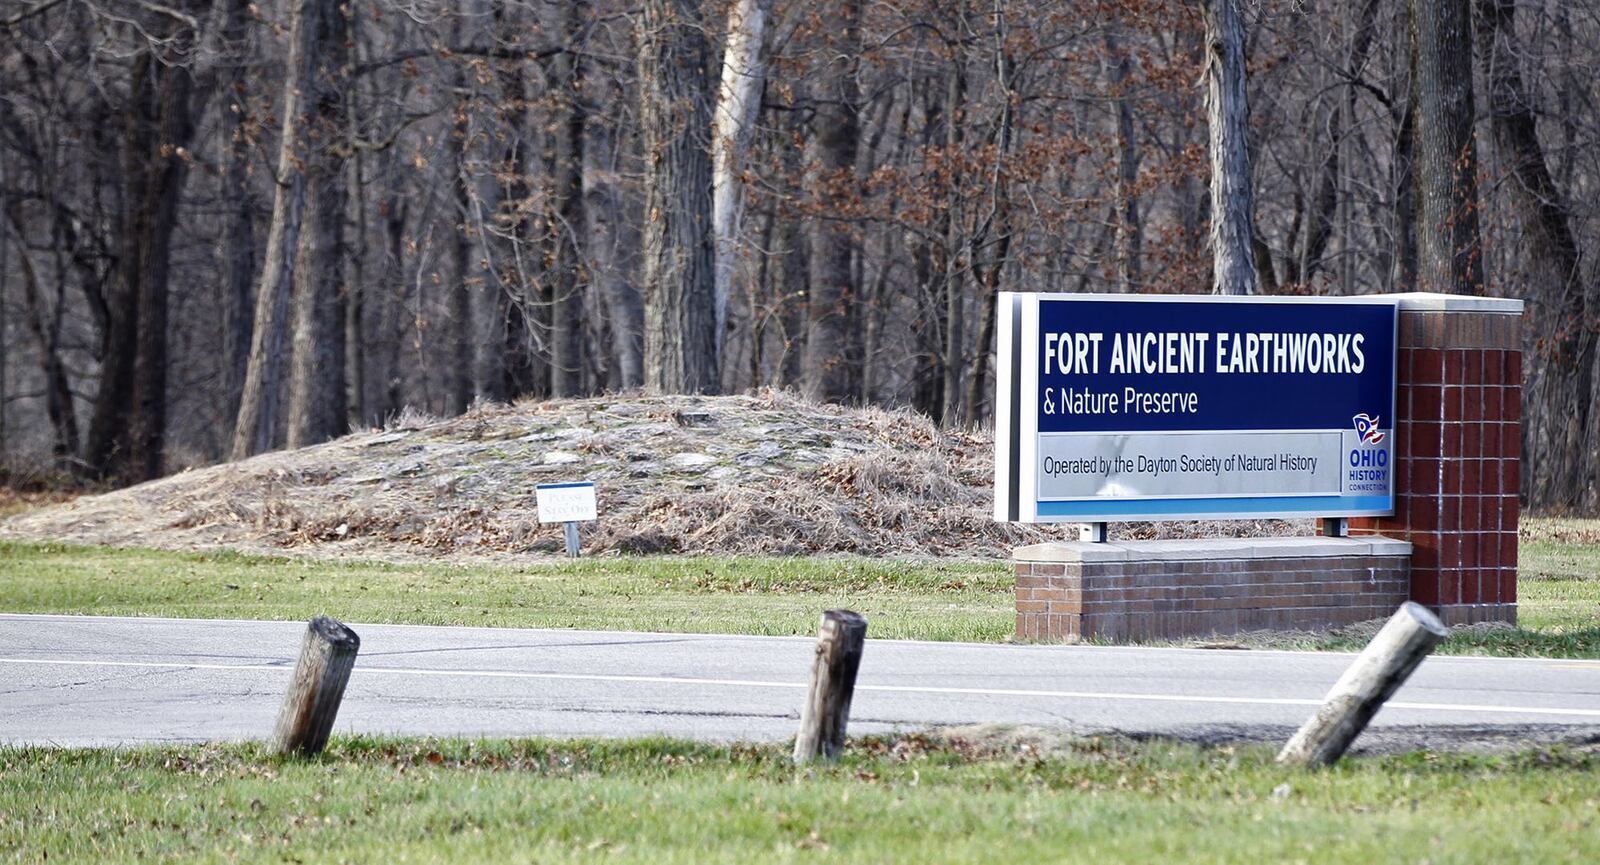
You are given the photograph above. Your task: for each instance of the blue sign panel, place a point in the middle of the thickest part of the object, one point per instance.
(1114, 407)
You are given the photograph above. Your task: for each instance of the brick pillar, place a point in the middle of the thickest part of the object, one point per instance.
(1456, 453)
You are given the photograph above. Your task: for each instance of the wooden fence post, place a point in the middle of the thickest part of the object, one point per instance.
(833, 681)
(326, 657)
(1381, 668)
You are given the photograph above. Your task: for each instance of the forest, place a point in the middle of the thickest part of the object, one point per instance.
(228, 226)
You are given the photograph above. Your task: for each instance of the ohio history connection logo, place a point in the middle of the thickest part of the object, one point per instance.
(1367, 427)
(1368, 464)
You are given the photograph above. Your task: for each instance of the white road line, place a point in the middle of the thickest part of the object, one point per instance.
(754, 683)
(1079, 648)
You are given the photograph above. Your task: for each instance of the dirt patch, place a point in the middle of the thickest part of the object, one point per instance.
(1563, 530)
(765, 474)
(991, 740)
(18, 501)
(23, 489)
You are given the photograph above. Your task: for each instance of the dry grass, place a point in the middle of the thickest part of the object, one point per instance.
(24, 489)
(1565, 530)
(15, 501)
(762, 474)
(768, 474)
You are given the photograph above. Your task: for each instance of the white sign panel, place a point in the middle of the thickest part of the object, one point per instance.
(566, 503)
(1161, 407)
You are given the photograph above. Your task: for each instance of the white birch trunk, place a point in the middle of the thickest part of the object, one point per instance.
(738, 104)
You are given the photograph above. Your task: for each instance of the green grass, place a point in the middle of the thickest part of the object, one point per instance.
(1559, 603)
(911, 800)
(735, 595)
(1559, 585)
(1558, 610)
(1558, 606)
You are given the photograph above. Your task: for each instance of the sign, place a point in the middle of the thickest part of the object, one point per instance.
(1170, 407)
(565, 503)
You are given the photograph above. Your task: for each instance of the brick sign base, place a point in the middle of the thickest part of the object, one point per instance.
(1457, 454)
(1155, 590)
(1451, 545)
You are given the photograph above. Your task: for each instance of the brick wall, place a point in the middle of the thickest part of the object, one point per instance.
(1457, 442)
(1173, 589)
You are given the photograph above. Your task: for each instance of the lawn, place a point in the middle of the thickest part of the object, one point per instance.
(1560, 593)
(733, 595)
(1559, 583)
(1558, 609)
(910, 800)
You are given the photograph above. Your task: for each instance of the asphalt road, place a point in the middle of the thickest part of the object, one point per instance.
(71, 680)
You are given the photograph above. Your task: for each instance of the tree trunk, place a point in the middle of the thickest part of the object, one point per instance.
(1000, 214)
(955, 267)
(1228, 115)
(58, 391)
(235, 251)
(510, 367)
(986, 326)
(791, 280)
(1324, 204)
(1558, 441)
(609, 233)
(355, 331)
(1451, 254)
(680, 345)
(176, 127)
(5, 347)
(1130, 232)
(127, 433)
(316, 365)
(738, 105)
(831, 356)
(458, 386)
(105, 449)
(458, 355)
(571, 276)
(1404, 271)
(256, 429)
(387, 313)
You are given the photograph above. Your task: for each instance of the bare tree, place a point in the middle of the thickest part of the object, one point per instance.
(831, 355)
(738, 103)
(1228, 117)
(1130, 233)
(567, 225)
(523, 182)
(611, 236)
(1447, 153)
(257, 426)
(316, 364)
(1559, 425)
(680, 347)
(236, 248)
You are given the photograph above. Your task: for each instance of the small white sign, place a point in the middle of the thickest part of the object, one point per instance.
(566, 503)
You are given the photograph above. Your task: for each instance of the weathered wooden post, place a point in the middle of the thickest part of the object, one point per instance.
(1381, 668)
(326, 657)
(833, 681)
